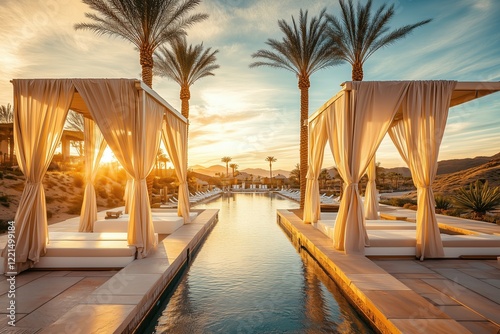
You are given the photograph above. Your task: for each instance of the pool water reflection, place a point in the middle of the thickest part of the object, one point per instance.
(248, 278)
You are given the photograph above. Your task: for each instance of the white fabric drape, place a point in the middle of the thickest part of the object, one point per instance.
(371, 204)
(317, 142)
(418, 138)
(128, 192)
(133, 134)
(40, 110)
(175, 139)
(355, 128)
(94, 148)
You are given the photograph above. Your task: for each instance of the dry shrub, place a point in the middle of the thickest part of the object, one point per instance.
(78, 180)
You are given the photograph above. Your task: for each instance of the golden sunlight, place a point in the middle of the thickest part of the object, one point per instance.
(108, 156)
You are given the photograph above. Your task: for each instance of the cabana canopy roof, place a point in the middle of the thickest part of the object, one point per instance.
(78, 104)
(464, 91)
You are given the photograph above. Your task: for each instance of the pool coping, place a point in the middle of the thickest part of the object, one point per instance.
(385, 302)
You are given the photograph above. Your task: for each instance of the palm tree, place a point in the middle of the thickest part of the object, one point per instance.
(357, 35)
(145, 23)
(185, 65)
(233, 167)
(271, 160)
(226, 160)
(6, 114)
(303, 51)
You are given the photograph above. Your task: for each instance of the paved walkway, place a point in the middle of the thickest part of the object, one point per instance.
(409, 296)
(107, 301)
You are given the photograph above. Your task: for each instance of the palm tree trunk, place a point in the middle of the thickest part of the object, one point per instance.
(146, 60)
(185, 95)
(304, 85)
(357, 71)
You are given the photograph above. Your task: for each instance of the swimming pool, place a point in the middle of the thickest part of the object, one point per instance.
(248, 278)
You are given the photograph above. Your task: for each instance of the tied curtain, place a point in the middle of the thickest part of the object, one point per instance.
(175, 139)
(356, 126)
(317, 142)
(133, 134)
(94, 148)
(418, 136)
(371, 205)
(40, 110)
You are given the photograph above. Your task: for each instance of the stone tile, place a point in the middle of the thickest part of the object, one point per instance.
(49, 312)
(376, 282)
(174, 248)
(147, 266)
(459, 312)
(21, 279)
(404, 304)
(415, 276)
(472, 283)
(449, 263)
(128, 284)
(403, 266)
(354, 264)
(418, 286)
(92, 319)
(58, 273)
(92, 273)
(480, 327)
(4, 320)
(470, 299)
(36, 293)
(113, 299)
(494, 282)
(439, 299)
(481, 273)
(434, 326)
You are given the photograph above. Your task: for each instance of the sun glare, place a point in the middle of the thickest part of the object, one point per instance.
(108, 156)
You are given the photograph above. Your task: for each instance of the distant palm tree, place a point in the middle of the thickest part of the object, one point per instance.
(145, 23)
(271, 160)
(356, 35)
(185, 65)
(226, 160)
(303, 51)
(6, 114)
(233, 167)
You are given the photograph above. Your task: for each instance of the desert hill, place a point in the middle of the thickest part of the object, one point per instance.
(448, 183)
(63, 192)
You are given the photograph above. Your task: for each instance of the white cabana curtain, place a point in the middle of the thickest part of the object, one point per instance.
(40, 110)
(418, 138)
(356, 126)
(371, 204)
(317, 142)
(133, 135)
(175, 139)
(128, 192)
(94, 148)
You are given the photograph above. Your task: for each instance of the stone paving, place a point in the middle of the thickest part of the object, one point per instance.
(404, 295)
(103, 301)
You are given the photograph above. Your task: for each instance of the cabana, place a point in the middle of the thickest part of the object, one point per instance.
(127, 115)
(355, 121)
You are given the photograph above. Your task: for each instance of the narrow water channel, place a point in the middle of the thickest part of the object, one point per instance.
(248, 278)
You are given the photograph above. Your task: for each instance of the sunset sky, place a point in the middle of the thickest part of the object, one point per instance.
(249, 114)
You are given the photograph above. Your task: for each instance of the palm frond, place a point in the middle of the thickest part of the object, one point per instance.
(304, 48)
(357, 33)
(185, 64)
